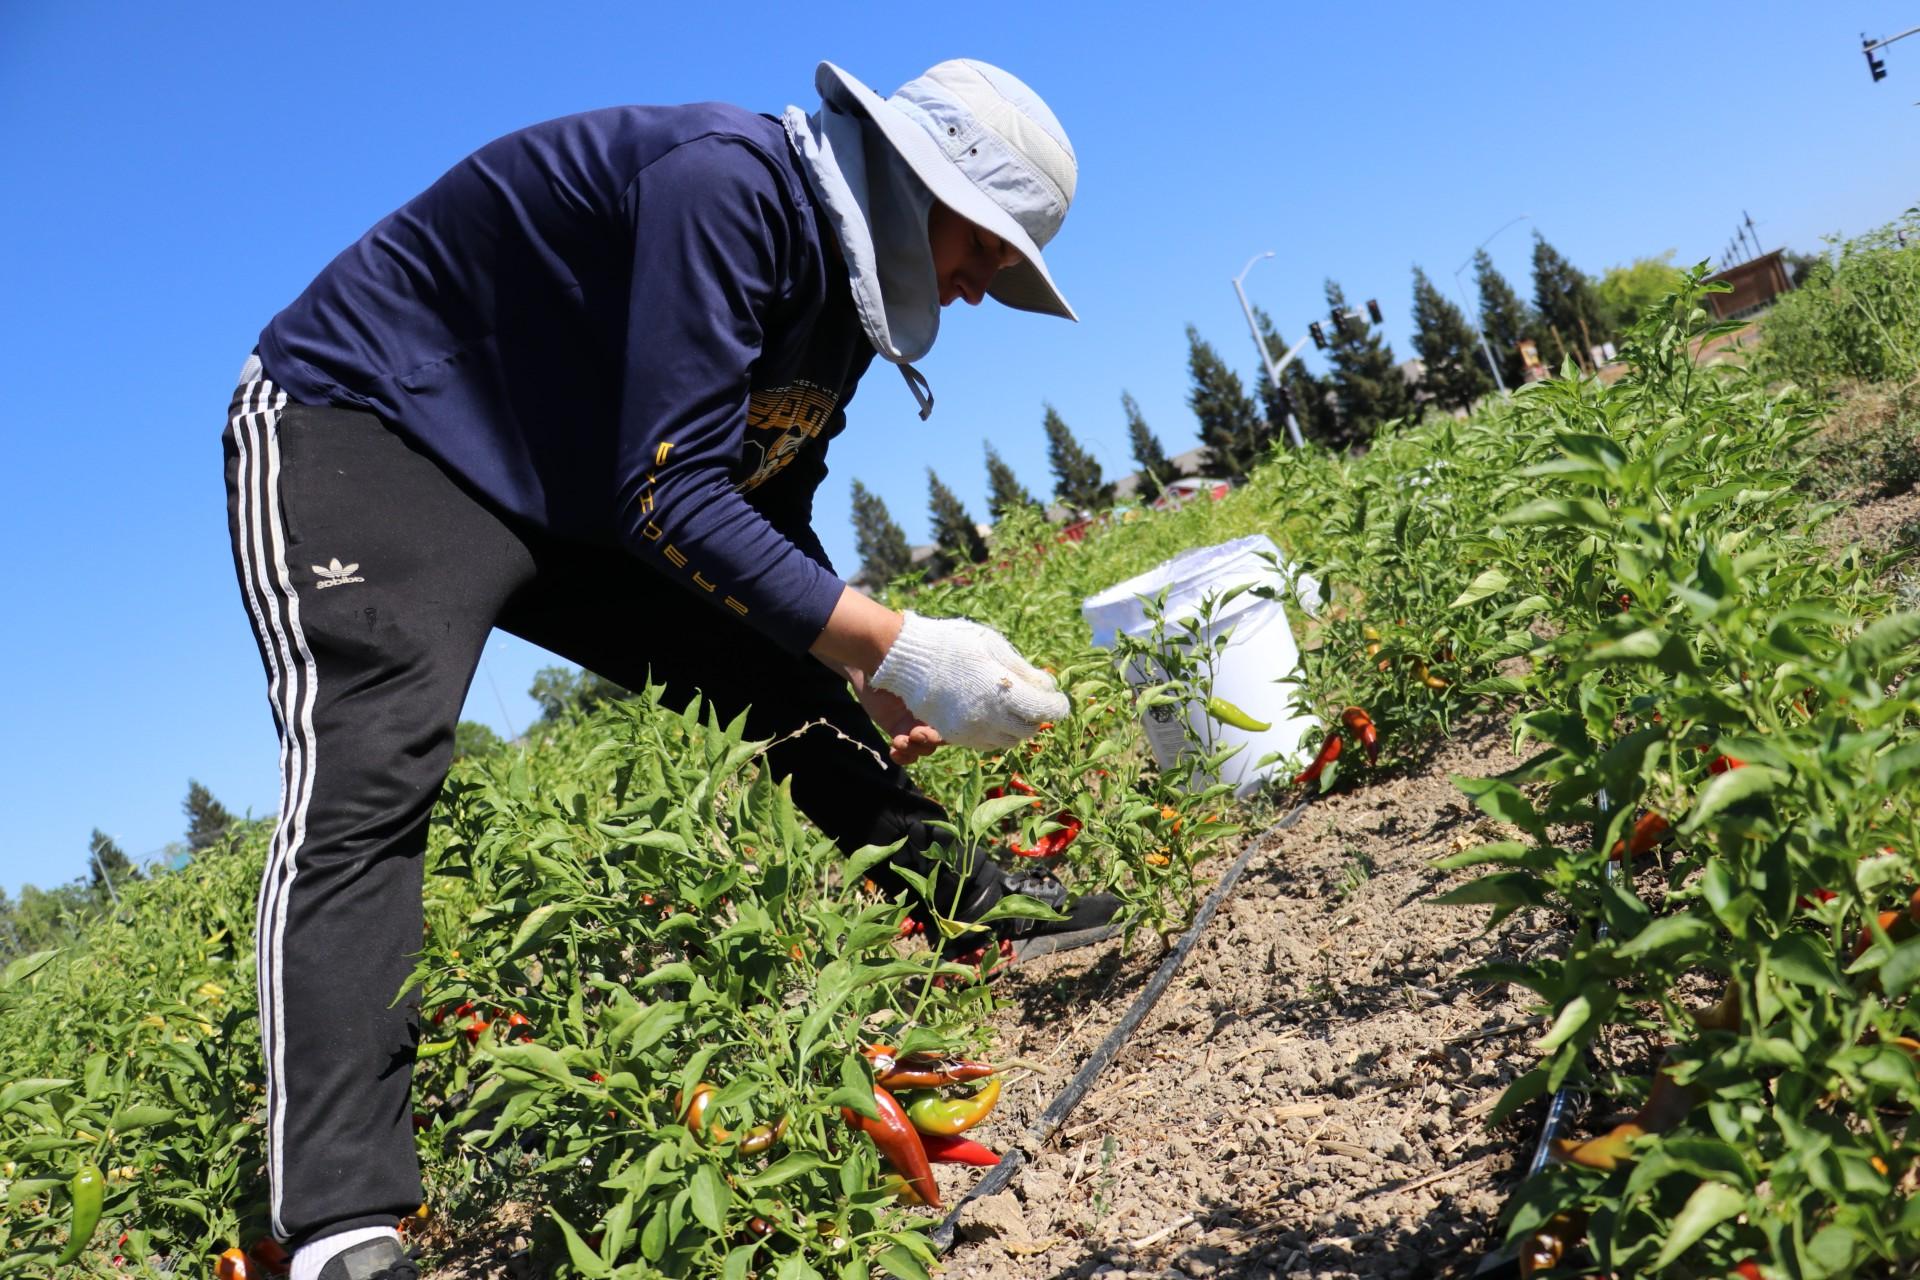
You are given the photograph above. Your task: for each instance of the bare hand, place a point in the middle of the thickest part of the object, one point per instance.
(912, 739)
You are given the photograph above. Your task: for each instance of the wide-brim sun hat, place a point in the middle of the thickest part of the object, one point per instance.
(989, 149)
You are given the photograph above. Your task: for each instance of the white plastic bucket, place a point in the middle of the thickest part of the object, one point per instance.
(1260, 651)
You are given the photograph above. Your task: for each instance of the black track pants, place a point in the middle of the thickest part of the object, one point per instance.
(372, 579)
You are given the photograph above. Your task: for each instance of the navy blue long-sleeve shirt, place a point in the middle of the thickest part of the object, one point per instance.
(624, 327)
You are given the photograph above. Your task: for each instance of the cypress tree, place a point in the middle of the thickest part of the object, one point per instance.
(1076, 473)
(1230, 424)
(1369, 388)
(884, 553)
(207, 818)
(1566, 300)
(1004, 491)
(955, 534)
(1456, 373)
(1504, 319)
(1155, 471)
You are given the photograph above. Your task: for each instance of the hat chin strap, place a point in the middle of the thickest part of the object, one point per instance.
(878, 209)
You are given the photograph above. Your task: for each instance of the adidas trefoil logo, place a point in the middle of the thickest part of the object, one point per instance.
(334, 574)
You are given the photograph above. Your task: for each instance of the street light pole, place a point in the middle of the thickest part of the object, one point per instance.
(1273, 370)
(1458, 288)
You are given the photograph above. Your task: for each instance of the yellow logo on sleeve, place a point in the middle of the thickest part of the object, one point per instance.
(780, 422)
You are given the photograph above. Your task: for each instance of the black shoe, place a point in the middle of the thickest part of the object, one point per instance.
(1088, 919)
(381, 1259)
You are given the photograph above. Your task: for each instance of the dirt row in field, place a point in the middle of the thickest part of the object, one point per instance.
(1309, 1096)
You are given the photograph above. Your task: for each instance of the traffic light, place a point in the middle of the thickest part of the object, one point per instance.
(1340, 322)
(1319, 335)
(1373, 310)
(1874, 65)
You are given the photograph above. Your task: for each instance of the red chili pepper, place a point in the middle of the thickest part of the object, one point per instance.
(1748, 1270)
(1356, 719)
(1647, 830)
(1052, 844)
(1810, 901)
(898, 1142)
(949, 1116)
(518, 1025)
(922, 1070)
(1721, 764)
(476, 1029)
(1329, 752)
(953, 1149)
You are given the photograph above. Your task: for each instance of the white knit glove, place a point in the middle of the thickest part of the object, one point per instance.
(966, 681)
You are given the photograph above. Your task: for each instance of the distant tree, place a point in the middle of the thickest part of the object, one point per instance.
(884, 553)
(207, 818)
(1230, 424)
(1456, 372)
(110, 870)
(956, 536)
(1076, 473)
(1367, 383)
(1624, 292)
(1155, 470)
(1504, 319)
(1564, 297)
(563, 691)
(46, 918)
(1004, 491)
(471, 738)
(1800, 266)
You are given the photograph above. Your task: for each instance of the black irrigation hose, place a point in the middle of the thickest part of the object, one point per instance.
(1041, 1130)
(1507, 1255)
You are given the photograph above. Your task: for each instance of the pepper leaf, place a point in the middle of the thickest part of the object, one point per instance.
(1571, 1019)
(1490, 582)
(1710, 1204)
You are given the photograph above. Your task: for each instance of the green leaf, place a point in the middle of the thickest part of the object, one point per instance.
(1728, 789)
(1796, 958)
(1500, 889)
(1503, 801)
(785, 1169)
(738, 1261)
(1490, 582)
(988, 813)
(534, 929)
(1504, 851)
(1018, 906)
(582, 1257)
(19, 1091)
(1640, 646)
(1897, 975)
(1579, 513)
(1710, 1204)
(1573, 1017)
(899, 1262)
(1667, 931)
(710, 1197)
(25, 967)
(1883, 640)
(137, 1117)
(862, 861)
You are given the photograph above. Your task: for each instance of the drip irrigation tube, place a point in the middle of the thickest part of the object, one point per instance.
(1507, 1255)
(1037, 1134)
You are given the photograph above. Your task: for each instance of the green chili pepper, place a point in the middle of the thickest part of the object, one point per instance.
(1226, 713)
(937, 1115)
(87, 1190)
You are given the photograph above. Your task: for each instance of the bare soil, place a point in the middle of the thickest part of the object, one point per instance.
(1309, 1097)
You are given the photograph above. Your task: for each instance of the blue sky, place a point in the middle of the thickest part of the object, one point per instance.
(176, 173)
